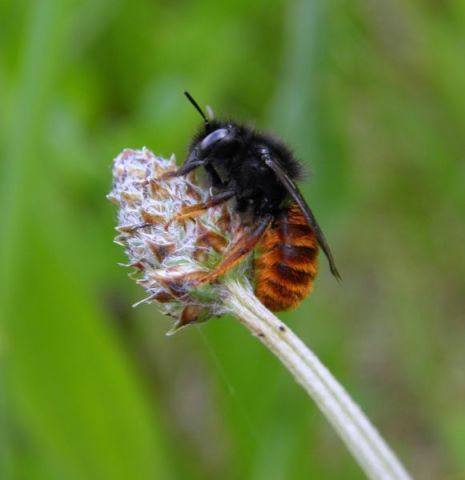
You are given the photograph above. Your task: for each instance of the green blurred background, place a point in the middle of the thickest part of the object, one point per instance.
(372, 97)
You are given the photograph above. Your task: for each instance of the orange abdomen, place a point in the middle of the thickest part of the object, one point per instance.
(285, 271)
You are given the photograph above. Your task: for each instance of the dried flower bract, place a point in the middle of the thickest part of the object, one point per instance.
(170, 255)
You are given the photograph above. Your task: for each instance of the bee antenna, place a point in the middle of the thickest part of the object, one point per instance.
(196, 106)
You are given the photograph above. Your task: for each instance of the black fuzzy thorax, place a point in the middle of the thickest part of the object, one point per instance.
(243, 170)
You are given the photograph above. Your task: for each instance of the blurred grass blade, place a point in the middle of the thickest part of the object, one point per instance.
(71, 400)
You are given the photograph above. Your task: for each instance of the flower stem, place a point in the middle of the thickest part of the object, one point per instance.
(362, 439)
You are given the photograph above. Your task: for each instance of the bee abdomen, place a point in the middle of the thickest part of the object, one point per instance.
(286, 269)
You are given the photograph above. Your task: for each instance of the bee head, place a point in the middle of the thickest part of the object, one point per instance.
(219, 137)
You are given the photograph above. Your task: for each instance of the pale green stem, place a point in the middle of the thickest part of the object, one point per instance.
(362, 439)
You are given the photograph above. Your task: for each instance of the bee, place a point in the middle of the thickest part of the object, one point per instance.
(259, 172)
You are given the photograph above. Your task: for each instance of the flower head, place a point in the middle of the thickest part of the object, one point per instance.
(170, 255)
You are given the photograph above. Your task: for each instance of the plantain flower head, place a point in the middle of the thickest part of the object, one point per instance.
(170, 255)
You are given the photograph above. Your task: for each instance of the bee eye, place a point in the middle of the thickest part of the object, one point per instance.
(213, 138)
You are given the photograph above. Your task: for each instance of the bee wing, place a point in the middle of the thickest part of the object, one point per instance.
(294, 192)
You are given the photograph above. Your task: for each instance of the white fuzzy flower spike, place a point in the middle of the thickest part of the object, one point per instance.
(168, 254)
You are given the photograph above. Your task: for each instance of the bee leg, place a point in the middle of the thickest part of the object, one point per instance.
(240, 248)
(197, 209)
